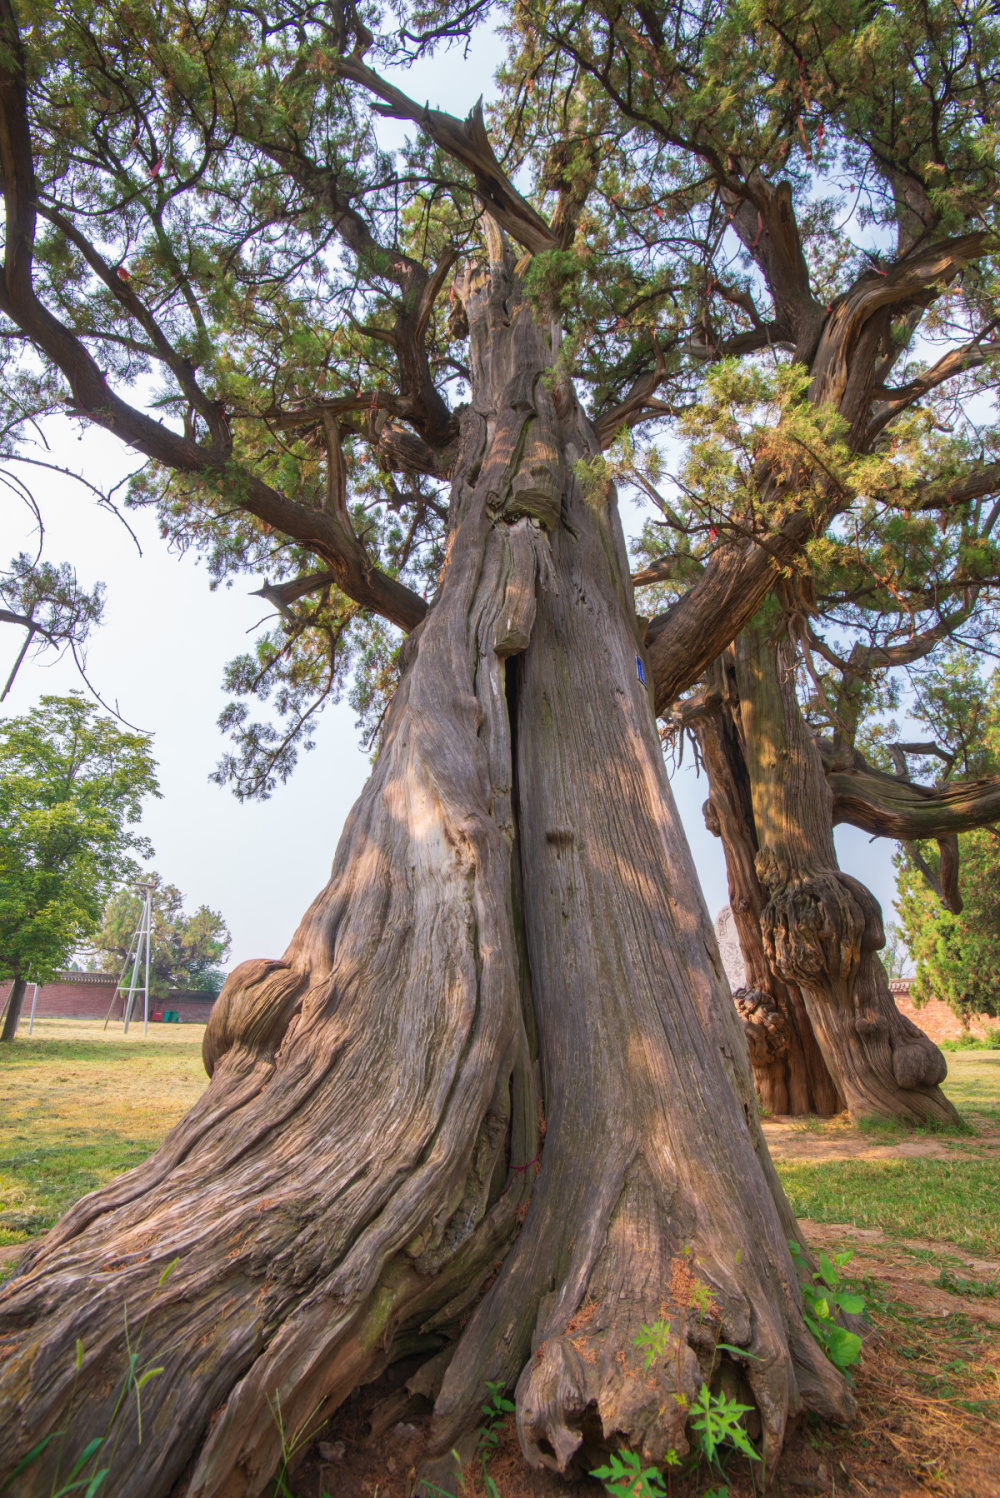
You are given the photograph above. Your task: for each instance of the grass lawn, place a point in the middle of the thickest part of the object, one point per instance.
(953, 1201)
(80, 1105)
(974, 1083)
(951, 1194)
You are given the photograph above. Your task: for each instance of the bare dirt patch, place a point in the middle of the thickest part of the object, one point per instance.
(838, 1139)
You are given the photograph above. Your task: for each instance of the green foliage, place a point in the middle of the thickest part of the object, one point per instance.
(717, 1421)
(72, 784)
(825, 1301)
(626, 1477)
(185, 950)
(952, 1200)
(968, 1042)
(495, 1411)
(60, 613)
(654, 1341)
(957, 955)
(223, 229)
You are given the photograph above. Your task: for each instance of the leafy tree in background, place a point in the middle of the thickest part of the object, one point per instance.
(185, 950)
(897, 957)
(72, 784)
(957, 951)
(495, 1077)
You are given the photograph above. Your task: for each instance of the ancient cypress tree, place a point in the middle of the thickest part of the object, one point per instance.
(789, 693)
(815, 137)
(492, 1105)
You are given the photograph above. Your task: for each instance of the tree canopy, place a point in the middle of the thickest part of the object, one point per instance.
(185, 950)
(765, 230)
(499, 1049)
(72, 785)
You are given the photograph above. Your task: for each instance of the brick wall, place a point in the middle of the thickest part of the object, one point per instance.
(935, 1018)
(89, 995)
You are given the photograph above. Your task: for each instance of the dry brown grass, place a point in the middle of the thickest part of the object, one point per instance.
(80, 1105)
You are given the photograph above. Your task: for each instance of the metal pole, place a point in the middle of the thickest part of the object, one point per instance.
(133, 982)
(34, 1001)
(149, 925)
(121, 976)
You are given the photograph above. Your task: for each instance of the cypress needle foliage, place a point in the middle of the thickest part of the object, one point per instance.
(767, 231)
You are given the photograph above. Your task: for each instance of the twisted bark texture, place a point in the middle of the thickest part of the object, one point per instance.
(790, 1074)
(822, 929)
(499, 1052)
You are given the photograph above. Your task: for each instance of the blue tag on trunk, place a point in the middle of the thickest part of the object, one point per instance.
(639, 671)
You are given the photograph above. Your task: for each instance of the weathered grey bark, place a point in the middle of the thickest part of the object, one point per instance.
(822, 928)
(790, 1074)
(15, 1003)
(512, 908)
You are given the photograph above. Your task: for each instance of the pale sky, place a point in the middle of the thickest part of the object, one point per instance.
(161, 653)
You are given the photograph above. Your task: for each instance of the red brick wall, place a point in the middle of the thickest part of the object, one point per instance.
(935, 1018)
(89, 997)
(192, 1010)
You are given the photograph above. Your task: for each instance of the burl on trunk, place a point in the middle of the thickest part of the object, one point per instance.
(822, 929)
(499, 1050)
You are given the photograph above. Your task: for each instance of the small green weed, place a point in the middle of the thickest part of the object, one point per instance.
(280, 1484)
(626, 1477)
(717, 1423)
(99, 1452)
(957, 1286)
(496, 1409)
(824, 1300)
(716, 1420)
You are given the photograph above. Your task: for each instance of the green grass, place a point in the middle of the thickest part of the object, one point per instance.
(957, 1201)
(954, 1201)
(79, 1110)
(973, 1082)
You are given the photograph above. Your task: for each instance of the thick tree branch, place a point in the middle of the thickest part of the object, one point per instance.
(889, 807)
(909, 279)
(764, 219)
(957, 361)
(467, 142)
(738, 577)
(950, 494)
(420, 400)
(18, 300)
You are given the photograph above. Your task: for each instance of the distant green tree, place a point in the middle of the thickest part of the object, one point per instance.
(185, 950)
(72, 784)
(957, 956)
(957, 953)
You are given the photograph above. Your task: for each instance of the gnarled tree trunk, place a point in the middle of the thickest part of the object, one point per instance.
(790, 1074)
(823, 929)
(499, 1049)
